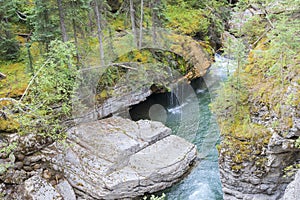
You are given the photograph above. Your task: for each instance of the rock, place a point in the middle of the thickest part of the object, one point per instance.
(14, 176)
(18, 165)
(27, 168)
(134, 86)
(27, 145)
(47, 174)
(292, 192)
(37, 188)
(118, 158)
(279, 145)
(20, 156)
(265, 179)
(36, 166)
(262, 182)
(66, 190)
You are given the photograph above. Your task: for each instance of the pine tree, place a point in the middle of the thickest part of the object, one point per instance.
(9, 48)
(44, 22)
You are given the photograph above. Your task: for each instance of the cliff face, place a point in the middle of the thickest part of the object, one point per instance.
(259, 115)
(258, 108)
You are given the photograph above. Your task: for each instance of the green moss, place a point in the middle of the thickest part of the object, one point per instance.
(238, 158)
(236, 168)
(291, 169)
(253, 34)
(16, 81)
(262, 85)
(9, 125)
(186, 21)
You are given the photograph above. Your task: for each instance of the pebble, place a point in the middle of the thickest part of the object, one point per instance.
(47, 174)
(18, 165)
(20, 156)
(27, 168)
(36, 166)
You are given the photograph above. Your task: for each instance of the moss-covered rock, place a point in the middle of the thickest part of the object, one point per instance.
(259, 124)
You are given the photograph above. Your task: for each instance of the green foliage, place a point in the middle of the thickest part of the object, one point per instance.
(45, 21)
(261, 80)
(7, 150)
(15, 82)
(49, 96)
(254, 34)
(202, 19)
(9, 49)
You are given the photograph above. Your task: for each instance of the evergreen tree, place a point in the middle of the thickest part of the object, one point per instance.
(9, 47)
(45, 23)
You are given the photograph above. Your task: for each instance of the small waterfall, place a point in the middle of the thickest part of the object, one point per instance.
(171, 97)
(171, 102)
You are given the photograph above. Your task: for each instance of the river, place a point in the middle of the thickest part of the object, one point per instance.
(185, 109)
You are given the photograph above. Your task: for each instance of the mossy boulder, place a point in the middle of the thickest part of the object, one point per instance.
(8, 125)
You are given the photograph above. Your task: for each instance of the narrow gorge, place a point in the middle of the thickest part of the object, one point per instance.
(150, 99)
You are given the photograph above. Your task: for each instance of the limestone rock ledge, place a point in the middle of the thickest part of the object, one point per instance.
(260, 182)
(117, 158)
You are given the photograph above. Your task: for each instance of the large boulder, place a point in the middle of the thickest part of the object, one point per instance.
(292, 192)
(118, 158)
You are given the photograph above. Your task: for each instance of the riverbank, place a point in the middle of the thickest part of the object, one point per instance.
(258, 107)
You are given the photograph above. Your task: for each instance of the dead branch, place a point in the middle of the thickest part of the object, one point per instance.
(31, 81)
(15, 102)
(2, 76)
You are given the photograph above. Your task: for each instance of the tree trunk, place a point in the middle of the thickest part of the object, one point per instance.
(99, 32)
(62, 21)
(141, 24)
(30, 58)
(154, 21)
(91, 24)
(76, 41)
(133, 23)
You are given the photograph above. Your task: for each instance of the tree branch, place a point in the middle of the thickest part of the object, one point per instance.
(21, 15)
(261, 36)
(124, 66)
(113, 64)
(31, 81)
(2, 76)
(15, 102)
